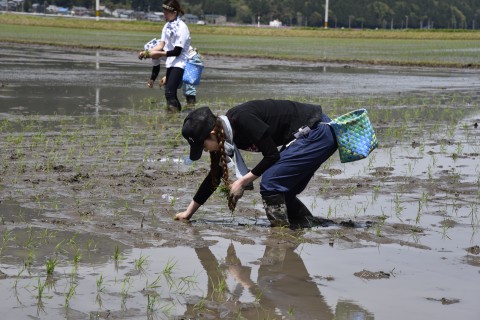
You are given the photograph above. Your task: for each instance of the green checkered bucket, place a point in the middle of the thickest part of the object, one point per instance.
(355, 135)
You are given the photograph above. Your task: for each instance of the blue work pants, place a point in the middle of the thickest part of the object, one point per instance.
(299, 161)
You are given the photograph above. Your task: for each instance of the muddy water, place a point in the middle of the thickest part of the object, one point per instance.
(92, 171)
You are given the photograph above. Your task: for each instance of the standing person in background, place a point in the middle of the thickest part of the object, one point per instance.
(189, 90)
(155, 62)
(174, 44)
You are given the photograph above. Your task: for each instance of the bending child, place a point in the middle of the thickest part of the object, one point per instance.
(262, 126)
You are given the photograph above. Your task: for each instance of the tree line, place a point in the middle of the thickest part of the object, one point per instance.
(395, 14)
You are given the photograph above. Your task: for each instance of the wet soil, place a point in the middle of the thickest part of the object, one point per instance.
(93, 170)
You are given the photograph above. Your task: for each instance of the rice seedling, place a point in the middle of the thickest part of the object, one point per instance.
(99, 300)
(72, 241)
(378, 230)
(6, 238)
(430, 173)
(117, 256)
(70, 293)
(17, 278)
(91, 245)
(200, 305)
(77, 257)
(100, 283)
(166, 309)
(424, 199)
(219, 287)
(28, 262)
(434, 160)
(474, 215)
(419, 212)
(186, 283)
(140, 263)
(329, 212)
(58, 246)
(445, 227)
(40, 287)
(152, 300)
(398, 206)
(168, 271)
(258, 295)
(46, 235)
(125, 287)
(50, 265)
(154, 285)
(291, 311)
(30, 240)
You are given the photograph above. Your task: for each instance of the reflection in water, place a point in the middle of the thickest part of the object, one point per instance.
(283, 288)
(61, 82)
(350, 311)
(97, 101)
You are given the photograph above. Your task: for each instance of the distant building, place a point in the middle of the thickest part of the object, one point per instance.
(123, 13)
(190, 18)
(52, 8)
(215, 19)
(80, 11)
(275, 23)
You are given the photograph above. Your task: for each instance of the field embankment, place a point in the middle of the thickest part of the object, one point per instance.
(430, 48)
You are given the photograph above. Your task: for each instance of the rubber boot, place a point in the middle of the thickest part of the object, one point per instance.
(276, 210)
(174, 105)
(298, 214)
(191, 101)
(300, 217)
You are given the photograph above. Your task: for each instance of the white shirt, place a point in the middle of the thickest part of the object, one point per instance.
(176, 34)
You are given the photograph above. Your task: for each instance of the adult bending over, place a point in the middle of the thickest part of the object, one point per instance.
(174, 44)
(262, 126)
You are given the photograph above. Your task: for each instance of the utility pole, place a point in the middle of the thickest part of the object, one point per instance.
(326, 14)
(97, 9)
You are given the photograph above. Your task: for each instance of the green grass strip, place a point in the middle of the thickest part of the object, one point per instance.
(416, 48)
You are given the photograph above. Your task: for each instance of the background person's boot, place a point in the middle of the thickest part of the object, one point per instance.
(191, 101)
(276, 210)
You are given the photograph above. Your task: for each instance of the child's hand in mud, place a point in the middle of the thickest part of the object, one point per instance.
(236, 192)
(185, 215)
(150, 84)
(162, 81)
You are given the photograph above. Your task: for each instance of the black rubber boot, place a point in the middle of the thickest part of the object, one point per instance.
(191, 100)
(300, 217)
(276, 210)
(298, 214)
(174, 105)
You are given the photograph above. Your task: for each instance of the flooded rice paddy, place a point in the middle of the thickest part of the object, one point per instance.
(93, 170)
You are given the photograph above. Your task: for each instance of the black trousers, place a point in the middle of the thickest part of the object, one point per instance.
(174, 80)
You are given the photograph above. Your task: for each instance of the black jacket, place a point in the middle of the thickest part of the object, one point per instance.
(263, 126)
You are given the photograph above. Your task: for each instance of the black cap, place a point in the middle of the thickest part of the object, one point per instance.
(196, 128)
